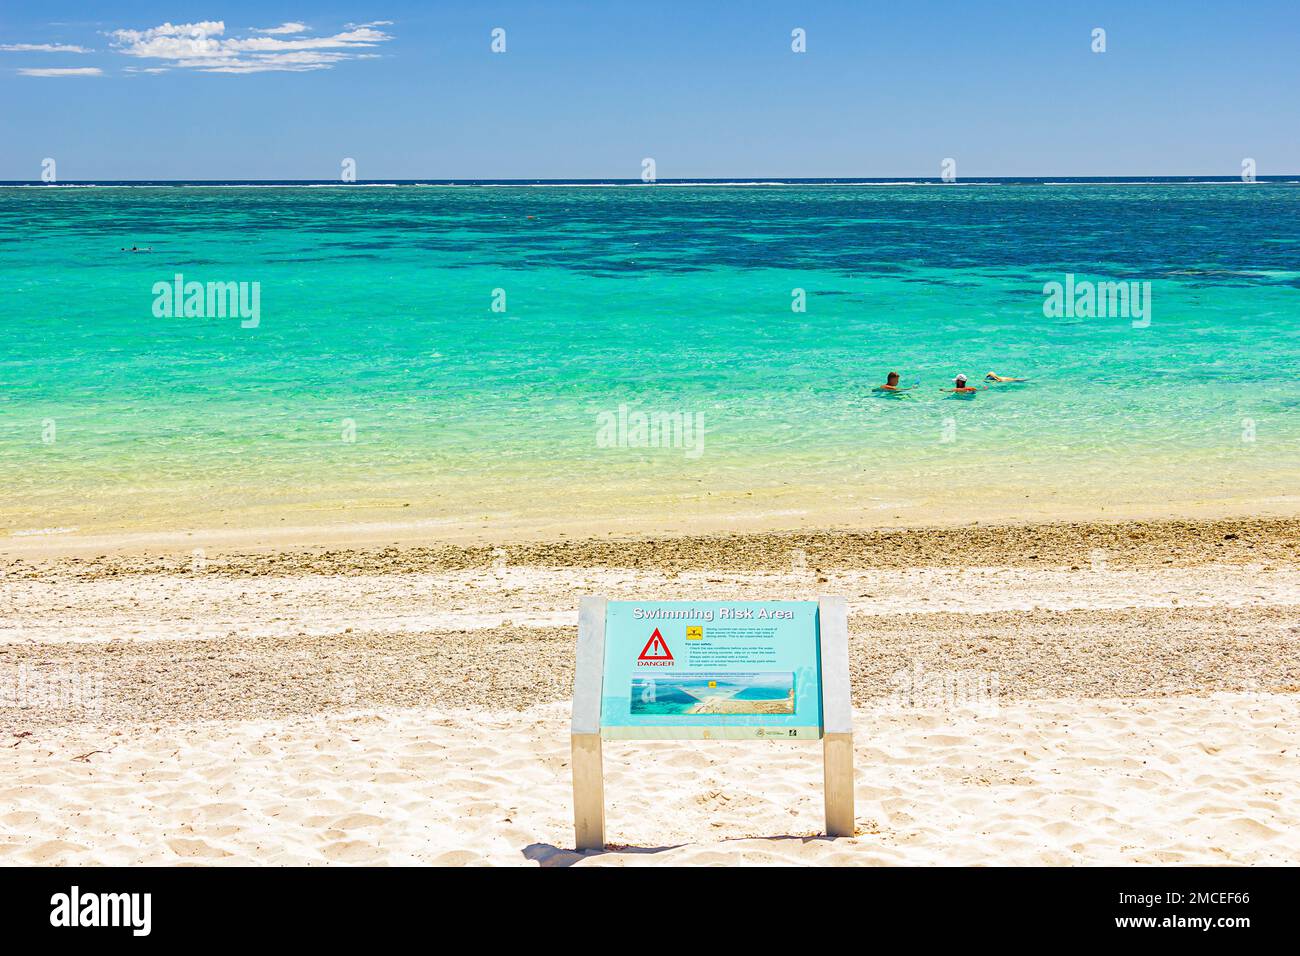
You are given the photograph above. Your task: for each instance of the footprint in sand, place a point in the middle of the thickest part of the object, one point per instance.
(53, 851)
(218, 811)
(392, 776)
(1254, 829)
(355, 821)
(352, 851)
(19, 818)
(196, 849)
(455, 858)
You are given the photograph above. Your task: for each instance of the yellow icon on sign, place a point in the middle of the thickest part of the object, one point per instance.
(695, 633)
(713, 683)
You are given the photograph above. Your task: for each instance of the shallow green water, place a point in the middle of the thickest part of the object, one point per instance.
(376, 309)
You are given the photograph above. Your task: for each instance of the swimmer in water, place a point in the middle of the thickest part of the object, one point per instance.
(135, 249)
(961, 387)
(995, 377)
(891, 384)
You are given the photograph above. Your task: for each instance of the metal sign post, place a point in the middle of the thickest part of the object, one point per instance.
(588, 769)
(837, 715)
(739, 670)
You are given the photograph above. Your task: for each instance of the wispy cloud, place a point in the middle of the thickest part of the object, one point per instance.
(205, 47)
(63, 71)
(282, 28)
(43, 48)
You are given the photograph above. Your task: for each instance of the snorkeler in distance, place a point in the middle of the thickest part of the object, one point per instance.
(135, 249)
(891, 384)
(961, 388)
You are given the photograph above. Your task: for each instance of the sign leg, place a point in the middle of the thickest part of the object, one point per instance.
(837, 715)
(837, 756)
(588, 793)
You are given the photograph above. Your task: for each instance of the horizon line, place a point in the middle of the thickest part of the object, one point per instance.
(636, 181)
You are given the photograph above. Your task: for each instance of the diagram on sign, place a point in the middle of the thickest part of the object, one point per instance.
(723, 694)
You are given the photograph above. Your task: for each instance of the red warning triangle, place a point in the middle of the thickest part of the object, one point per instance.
(656, 649)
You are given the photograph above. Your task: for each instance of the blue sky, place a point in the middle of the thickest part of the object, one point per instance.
(412, 90)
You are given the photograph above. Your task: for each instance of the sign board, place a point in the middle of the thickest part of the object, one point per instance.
(711, 669)
(727, 670)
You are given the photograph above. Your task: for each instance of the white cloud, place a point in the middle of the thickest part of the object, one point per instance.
(282, 28)
(63, 71)
(43, 48)
(205, 47)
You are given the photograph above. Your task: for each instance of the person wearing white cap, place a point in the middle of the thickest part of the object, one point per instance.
(961, 387)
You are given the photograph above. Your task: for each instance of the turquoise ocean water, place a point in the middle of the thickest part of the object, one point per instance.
(381, 386)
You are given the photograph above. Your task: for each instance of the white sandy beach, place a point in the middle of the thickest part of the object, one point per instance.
(313, 706)
(1185, 780)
